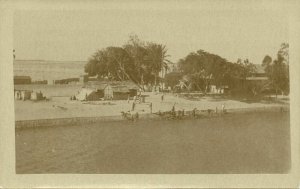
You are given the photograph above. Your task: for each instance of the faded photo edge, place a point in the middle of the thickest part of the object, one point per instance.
(8, 178)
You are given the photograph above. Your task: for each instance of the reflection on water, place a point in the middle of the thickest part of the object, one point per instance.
(250, 143)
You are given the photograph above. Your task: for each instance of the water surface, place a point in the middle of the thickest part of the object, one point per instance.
(241, 143)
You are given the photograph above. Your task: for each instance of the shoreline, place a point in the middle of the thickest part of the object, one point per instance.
(68, 121)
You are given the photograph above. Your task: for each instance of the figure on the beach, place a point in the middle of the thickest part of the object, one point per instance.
(150, 107)
(209, 111)
(194, 112)
(223, 108)
(178, 115)
(162, 97)
(159, 112)
(173, 110)
(130, 116)
(136, 115)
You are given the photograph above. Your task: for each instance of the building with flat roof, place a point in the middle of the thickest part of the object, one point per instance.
(22, 80)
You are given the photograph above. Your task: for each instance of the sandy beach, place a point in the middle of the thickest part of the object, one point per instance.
(59, 105)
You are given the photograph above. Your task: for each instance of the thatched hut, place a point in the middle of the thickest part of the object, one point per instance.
(108, 90)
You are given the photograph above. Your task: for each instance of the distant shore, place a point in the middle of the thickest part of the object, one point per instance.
(146, 116)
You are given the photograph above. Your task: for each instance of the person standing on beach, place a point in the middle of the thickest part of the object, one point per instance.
(194, 112)
(151, 107)
(136, 116)
(223, 108)
(162, 97)
(173, 109)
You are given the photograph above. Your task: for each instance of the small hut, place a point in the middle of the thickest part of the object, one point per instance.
(22, 80)
(18, 95)
(33, 96)
(25, 95)
(120, 92)
(37, 96)
(89, 94)
(124, 89)
(107, 90)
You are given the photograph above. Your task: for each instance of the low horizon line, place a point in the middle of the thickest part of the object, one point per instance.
(50, 60)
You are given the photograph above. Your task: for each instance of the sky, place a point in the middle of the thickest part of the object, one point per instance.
(76, 35)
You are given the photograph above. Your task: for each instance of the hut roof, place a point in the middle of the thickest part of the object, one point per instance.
(121, 89)
(95, 85)
(83, 92)
(116, 85)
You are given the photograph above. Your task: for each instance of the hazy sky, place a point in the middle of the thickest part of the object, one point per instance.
(75, 35)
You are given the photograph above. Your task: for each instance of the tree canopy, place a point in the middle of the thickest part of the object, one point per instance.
(112, 62)
(278, 70)
(201, 69)
(141, 62)
(138, 61)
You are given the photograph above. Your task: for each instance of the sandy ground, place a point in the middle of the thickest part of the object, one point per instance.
(63, 107)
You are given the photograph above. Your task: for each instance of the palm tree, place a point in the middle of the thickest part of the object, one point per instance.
(157, 58)
(267, 61)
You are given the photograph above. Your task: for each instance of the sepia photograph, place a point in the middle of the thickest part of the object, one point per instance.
(110, 92)
(152, 90)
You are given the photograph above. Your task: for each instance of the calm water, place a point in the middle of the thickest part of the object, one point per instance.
(249, 143)
(49, 70)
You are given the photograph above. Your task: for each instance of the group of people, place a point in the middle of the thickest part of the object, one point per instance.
(73, 97)
(28, 95)
(223, 110)
(130, 116)
(194, 111)
(179, 113)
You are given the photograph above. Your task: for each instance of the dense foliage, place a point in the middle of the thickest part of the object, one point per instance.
(172, 79)
(278, 69)
(141, 62)
(137, 61)
(202, 69)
